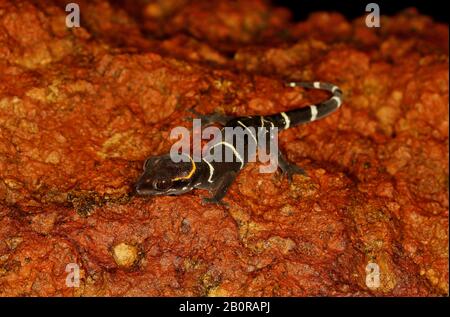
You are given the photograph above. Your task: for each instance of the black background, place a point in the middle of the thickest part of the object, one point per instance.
(356, 8)
(280, 306)
(297, 306)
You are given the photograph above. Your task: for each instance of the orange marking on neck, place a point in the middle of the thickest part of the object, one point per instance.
(193, 169)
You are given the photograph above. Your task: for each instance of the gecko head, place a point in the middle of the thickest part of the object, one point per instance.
(163, 176)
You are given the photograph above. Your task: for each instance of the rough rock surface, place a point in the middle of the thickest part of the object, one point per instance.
(81, 108)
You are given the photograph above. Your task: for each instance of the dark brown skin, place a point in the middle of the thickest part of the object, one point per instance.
(162, 176)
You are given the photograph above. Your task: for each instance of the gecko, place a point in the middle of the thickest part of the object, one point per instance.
(163, 176)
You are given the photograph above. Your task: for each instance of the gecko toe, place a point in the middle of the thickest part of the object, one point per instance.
(212, 200)
(291, 170)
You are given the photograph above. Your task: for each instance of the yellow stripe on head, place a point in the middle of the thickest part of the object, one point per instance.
(193, 169)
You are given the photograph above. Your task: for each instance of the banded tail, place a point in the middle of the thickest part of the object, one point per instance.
(312, 112)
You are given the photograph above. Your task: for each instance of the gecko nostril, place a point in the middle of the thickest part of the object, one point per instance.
(137, 188)
(141, 186)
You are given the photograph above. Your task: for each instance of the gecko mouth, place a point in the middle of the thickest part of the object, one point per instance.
(140, 190)
(145, 187)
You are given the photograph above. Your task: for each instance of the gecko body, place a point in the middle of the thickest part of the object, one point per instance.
(163, 176)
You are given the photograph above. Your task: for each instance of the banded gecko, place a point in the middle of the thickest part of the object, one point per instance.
(163, 176)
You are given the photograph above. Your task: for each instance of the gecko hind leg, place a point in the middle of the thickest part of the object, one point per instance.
(289, 168)
(286, 167)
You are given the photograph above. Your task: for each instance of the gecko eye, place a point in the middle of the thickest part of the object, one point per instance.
(162, 184)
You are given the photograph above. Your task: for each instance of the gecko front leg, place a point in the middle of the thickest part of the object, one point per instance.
(220, 188)
(209, 119)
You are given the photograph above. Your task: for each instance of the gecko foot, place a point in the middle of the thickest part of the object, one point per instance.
(212, 200)
(208, 119)
(291, 169)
